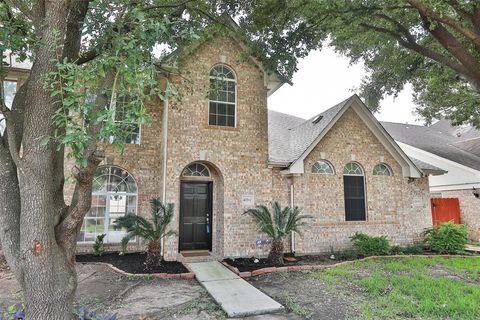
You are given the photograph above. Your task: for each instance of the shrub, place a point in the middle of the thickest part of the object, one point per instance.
(406, 250)
(349, 254)
(277, 223)
(151, 231)
(98, 246)
(447, 238)
(370, 246)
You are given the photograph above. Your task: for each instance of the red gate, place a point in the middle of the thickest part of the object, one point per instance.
(444, 210)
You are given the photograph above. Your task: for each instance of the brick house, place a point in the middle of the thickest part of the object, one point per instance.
(215, 149)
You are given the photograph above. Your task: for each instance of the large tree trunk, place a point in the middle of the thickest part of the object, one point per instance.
(275, 256)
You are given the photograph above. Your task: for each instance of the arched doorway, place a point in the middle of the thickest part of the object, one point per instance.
(196, 214)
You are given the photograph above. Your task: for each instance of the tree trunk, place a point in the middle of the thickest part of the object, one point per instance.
(275, 256)
(154, 254)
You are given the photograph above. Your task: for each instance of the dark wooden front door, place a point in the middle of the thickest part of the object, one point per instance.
(196, 216)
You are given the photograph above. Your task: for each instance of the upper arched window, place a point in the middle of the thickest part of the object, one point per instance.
(353, 169)
(323, 167)
(196, 170)
(222, 97)
(114, 195)
(382, 169)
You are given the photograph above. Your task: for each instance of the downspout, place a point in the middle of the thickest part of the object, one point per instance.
(164, 162)
(292, 203)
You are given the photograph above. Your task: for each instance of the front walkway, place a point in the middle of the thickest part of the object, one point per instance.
(237, 297)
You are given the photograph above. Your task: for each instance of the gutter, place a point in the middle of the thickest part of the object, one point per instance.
(164, 163)
(292, 237)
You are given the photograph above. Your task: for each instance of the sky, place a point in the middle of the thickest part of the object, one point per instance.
(324, 79)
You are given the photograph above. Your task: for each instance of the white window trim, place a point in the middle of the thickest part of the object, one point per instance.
(230, 103)
(324, 173)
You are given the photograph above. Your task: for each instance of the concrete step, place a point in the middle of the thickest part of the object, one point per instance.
(235, 296)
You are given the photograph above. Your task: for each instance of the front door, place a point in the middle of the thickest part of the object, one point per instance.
(196, 216)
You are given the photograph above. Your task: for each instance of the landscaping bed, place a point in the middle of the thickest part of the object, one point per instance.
(252, 264)
(134, 263)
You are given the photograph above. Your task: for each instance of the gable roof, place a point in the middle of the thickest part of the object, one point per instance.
(458, 144)
(290, 141)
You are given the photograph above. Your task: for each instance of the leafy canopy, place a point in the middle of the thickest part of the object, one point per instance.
(432, 44)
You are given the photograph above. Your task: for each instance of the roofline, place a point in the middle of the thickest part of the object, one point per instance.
(297, 166)
(459, 165)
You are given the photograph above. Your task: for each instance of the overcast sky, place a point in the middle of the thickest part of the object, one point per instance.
(324, 79)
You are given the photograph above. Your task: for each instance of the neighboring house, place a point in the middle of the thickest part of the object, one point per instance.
(454, 149)
(215, 154)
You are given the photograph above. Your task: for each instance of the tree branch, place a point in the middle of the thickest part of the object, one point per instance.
(427, 12)
(22, 7)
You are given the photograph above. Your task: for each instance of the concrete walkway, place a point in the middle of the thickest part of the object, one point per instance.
(237, 297)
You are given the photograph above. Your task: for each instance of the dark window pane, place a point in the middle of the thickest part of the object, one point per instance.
(354, 194)
(231, 97)
(231, 110)
(212, 120)
(222, 109)
(221, 120)
(213, 108)
(231, 121)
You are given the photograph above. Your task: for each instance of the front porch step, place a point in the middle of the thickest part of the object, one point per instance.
(235, 296)
(196, 256)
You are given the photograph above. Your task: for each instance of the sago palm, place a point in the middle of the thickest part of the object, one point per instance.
(277, 224)
(152, 231)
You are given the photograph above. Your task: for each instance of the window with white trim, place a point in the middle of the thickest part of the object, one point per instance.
(354, 192)
(222, 97)
(114, 194)
(196, 170)
(382, 169)
(323, 167)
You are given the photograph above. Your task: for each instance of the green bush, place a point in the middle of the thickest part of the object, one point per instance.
(395, 250)
(98, 246)
(370, 246)
(447, 238)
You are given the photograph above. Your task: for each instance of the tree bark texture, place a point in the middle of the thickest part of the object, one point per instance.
(275, 256)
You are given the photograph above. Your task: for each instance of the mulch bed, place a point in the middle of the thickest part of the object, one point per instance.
(249, 264)
(134, 263)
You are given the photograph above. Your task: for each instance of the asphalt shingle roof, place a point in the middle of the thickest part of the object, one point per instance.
(290, 136)
(461, 145)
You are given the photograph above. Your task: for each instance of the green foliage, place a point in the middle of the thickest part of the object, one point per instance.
(150, 231)
(406, 250)
(370, 246)
(391, 38)
(98, 246)
(447, 238)
(278, 223)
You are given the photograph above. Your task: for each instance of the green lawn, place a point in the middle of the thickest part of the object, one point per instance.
(418, 288)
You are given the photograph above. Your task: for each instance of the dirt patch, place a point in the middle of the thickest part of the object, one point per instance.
(134, 263)
(251, 264)
(3, 263)
(308, 298)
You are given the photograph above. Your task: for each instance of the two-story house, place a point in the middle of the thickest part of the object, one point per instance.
(215, 149)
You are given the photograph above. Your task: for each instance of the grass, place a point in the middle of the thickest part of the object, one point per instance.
(419, 288)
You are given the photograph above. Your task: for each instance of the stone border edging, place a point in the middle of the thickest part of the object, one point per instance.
(254, 273)
(163, 275)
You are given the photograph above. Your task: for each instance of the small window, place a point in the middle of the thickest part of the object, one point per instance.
(353, 168)
(9, 91)
(382, 169)
(222, 97)
(322, 167)
(196, 170)
(354, 192)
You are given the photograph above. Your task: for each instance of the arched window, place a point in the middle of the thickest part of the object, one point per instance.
(222, 97)
(382, 169)
(114, 195)
(196, 170)
(354, 192)
(323, 167)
